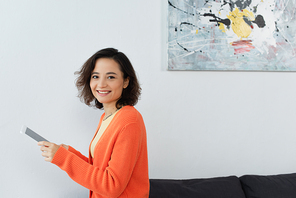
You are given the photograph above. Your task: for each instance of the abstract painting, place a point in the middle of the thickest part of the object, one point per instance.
(242, 35)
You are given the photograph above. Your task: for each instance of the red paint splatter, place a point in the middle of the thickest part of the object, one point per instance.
(242, 46)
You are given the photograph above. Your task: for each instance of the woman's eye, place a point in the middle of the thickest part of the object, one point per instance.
(111, 77)
(95, 77)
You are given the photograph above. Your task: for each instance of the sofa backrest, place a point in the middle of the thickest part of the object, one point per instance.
(221, 187)
(273, 186)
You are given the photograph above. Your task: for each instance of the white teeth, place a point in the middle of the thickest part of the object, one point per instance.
(103, 92)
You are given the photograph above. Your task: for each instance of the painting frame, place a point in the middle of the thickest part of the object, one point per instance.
(202, 35)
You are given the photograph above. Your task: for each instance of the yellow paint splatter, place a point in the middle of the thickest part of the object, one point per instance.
(196, 32)
(222, 27)
(238, 25)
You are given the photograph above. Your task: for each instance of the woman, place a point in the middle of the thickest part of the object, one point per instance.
(117, 165)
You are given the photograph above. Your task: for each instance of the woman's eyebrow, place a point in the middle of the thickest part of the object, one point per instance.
(111, 73)
(108, 73)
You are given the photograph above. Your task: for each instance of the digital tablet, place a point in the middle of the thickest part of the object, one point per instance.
(32, 134)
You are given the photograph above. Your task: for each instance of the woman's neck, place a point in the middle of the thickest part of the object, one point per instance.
(109, 109)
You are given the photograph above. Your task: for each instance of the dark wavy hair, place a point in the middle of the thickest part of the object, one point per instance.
(130, 94)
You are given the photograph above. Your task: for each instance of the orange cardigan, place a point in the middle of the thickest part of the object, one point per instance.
(120, 165)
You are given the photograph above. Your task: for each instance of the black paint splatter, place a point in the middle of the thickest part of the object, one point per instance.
(259, 20)
(186, 23)
(276, 27)
(255, 8)
(218, 20)
(183, 47)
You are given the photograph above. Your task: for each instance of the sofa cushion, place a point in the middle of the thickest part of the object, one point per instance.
(222, 187)
(273, 186)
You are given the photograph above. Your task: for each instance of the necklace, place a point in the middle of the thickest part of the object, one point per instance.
(111, 114)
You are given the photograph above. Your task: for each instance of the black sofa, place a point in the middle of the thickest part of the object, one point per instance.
(247, 186)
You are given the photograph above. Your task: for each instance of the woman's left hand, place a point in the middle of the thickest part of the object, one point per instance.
(48, 150)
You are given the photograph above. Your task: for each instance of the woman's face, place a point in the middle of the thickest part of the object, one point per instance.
(107, 82)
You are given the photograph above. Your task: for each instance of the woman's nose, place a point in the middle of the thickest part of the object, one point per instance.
(102, 83)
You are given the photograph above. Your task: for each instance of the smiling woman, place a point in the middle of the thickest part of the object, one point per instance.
(117, 165)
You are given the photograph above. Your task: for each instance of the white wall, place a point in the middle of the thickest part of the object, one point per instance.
(199, 124)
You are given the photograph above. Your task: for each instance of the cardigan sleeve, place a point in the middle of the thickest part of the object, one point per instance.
(112, 180)
(71, 149)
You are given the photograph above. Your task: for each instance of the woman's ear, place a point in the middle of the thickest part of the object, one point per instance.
(126, 82)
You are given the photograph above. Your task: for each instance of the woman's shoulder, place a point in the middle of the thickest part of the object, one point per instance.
(129, 114)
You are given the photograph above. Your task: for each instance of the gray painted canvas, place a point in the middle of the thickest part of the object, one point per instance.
(252, 35)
